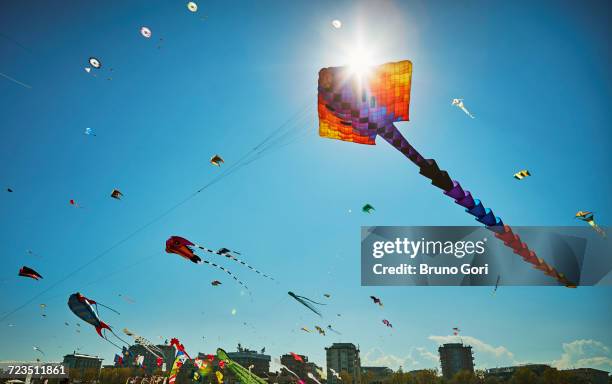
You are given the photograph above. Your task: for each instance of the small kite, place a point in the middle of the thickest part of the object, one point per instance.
(367, 208)
(376, 300)
(66, 323)
(74, 203)
(216, 160)
(29, 272)
(146, 32)
(589, 218)
(456, 331)
(89, 132)
(116, 194)
(496, 284)
(327, 295)
(305, 329)
(87, 310)
(38, 350)
(95, 63)
(459, 104)
(297, 357)
(306, 302)
(214, 283)
(42, 310)
(9, 190)
(336, 24)
(522, 174)
(233, 312)
(387, 323)
(320, 330)
(192, 7)
(333, 330)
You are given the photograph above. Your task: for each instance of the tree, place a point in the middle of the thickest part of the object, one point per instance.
(464, 377)
(346, 377)
(523, 375)
(426, 376)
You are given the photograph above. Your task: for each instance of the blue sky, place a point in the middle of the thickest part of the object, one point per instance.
(535, 75)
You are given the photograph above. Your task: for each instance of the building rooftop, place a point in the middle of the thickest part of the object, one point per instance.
(83, 356)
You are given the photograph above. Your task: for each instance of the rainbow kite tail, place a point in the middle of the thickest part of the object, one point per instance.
(452, 188)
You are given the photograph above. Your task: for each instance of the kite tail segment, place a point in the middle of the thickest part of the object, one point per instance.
(102, 326)
(226, 253)
(440, 178)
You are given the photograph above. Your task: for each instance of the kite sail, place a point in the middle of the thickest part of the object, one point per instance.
(320, 330)
(146, 32)
(306, 302)
(215, 283)
(522, 174)
(589, 218)
(376, 300)
(192, 7)
(38, 350)
(297, 357)
(29, 272)
(387, 323)
(216, 160)
(87, 310)
(355, 113)
(459, 104)
(367, 208)
(116, 194)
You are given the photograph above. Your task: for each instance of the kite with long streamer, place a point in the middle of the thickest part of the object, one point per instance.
(185, 248)
(87, 310)
(306, 302)
(357, 108)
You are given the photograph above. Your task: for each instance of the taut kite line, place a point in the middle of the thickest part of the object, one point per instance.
(357, 109)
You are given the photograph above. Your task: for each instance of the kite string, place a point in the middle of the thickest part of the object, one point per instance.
(156, 219)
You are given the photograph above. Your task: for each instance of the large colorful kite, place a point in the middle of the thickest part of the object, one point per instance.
(243, 375)
(358, 108)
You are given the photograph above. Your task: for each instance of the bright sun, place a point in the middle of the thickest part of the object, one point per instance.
(360, 62)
